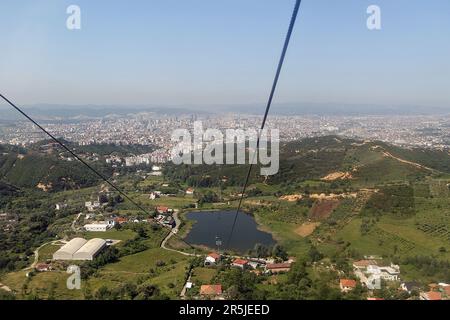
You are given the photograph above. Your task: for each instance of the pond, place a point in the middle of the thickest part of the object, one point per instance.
(211, 224)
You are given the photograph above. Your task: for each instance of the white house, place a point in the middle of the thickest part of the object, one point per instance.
(212, 259)
(60, 206)
(154, 195)
(390, 273)
(91, 206)
(102, 226)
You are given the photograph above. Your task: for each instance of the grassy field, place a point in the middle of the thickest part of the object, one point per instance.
(46, 252)
(284, 233)
(203, 275)
(110, 234)
(390, 237)
(42, 284)
(154, 266)
(158, 266)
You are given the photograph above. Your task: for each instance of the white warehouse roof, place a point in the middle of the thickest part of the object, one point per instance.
(89, 250)
(66, 251)
(80, 249)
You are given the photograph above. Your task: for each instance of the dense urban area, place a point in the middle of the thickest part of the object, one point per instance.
(427, 131)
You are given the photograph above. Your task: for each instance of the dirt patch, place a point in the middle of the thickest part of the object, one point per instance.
(333, 196)
(337, 176)
(307, 228)
(323, 209)
(292, 197)
(44, 187)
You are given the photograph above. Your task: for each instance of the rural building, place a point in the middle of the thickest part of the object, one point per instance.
(410, 286)
(363, 264)
(390, 273)
(66, 251)
(162, 209)
(212, 259)
(446, 290)
(92, 227)
(240, 263)
(89, 250)
(347, 285)
(92, 205)
(42, 267)
(80, 249)
(169, 221)
(369, 272)
(431, 295)
(278, 267)
(60, 206)
(121, 220)
(189, 191)
(211, 290)
(153, 195)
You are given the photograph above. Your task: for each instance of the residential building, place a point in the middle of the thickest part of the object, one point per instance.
(211, 290)
(101, 226)
(347, 285)
(42, 267)
(240, 263)
(162, 209)
(212, 259)
(410, 286)
(278, 267)
(431, 295)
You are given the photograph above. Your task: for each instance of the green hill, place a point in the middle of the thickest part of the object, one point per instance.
(31, 169)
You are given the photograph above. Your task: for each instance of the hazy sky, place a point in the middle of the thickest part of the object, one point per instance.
(224, 52)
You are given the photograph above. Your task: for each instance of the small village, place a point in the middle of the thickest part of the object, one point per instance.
(371, 273)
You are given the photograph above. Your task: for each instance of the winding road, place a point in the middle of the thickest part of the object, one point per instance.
(174, 231)
(36, 254)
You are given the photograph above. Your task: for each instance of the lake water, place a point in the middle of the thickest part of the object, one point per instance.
(211, 224)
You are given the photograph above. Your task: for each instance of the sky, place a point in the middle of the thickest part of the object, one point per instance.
(211, 52)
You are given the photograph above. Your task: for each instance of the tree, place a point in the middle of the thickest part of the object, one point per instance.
(314, 254)
(279, 252)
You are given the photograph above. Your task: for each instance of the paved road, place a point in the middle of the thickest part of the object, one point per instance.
(36, 254)
(72, 226)
(183, 292)
(174, 231)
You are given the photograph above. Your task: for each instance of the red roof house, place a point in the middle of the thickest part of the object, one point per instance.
(240, 263)
(211, 290)
(278, 267)
(347, 284)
